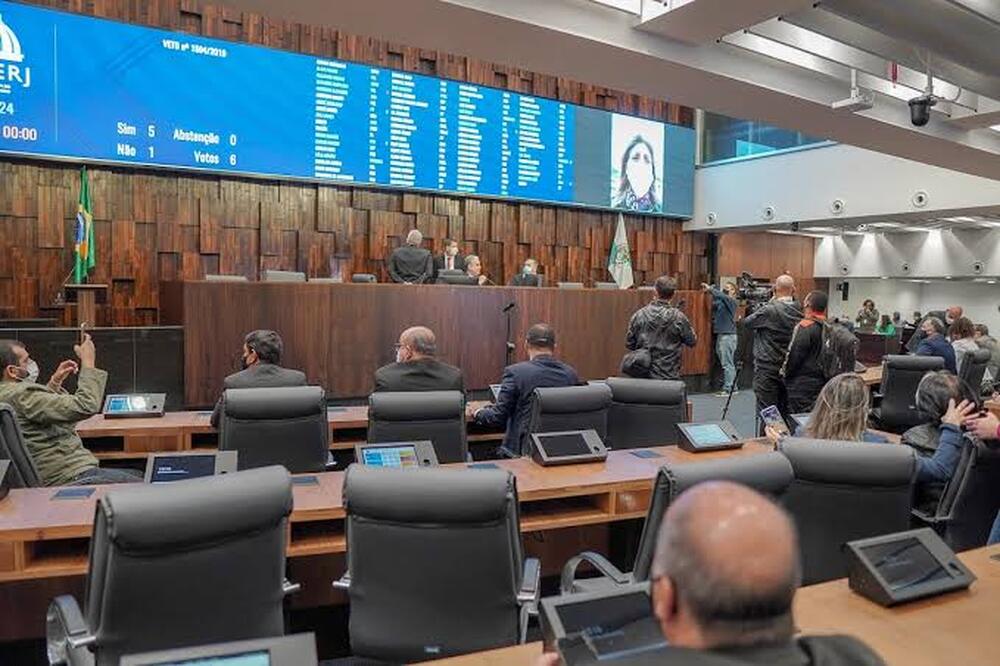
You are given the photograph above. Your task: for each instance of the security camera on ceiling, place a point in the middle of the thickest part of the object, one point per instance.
(920, 106)
(920, 109)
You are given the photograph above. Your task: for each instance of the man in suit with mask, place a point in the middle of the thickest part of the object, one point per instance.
(261, 368)
(528, 277)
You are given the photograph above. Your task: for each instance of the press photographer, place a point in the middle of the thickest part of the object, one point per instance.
(771, 324)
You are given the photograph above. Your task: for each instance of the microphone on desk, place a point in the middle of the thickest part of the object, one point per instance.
(510, 306)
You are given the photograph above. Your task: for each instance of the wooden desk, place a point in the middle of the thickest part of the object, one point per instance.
(41, 537)
(959, 628)
(191, 430)
(873, 375)
(125, 439)
(338, 334)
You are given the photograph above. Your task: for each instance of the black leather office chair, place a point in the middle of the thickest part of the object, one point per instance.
(276, 426)
(974, 368)
(767, 473)
(897, 409)
(186, 563)
(844, 491)
(438, 416)
(362, 278)
(435, 566)
(570, 408)
(645, 412)
(23, 473)
(970, 502)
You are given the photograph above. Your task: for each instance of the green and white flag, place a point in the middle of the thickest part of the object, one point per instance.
(620, 259)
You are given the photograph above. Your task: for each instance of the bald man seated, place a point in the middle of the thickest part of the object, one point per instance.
(415, 368)
(724, 576)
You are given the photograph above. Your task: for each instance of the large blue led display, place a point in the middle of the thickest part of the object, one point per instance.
(95, 90)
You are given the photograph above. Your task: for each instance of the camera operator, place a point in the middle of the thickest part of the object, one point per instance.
(772, 325)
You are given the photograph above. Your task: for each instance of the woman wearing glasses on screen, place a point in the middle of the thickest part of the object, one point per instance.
(637, 180)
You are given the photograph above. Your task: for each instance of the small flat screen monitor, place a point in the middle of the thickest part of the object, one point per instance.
(708, 436)
(166, 467)
(565, 444)
(390, 456)
(293, 650)
(903, 564)
(123, 405)
(397, 454)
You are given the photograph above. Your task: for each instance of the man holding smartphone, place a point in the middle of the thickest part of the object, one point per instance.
(772, 325)
(48, 414)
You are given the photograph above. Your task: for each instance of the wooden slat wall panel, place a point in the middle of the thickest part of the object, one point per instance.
(157, 226)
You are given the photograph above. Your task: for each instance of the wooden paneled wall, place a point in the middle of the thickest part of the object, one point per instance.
(769, 255)
(161, 225)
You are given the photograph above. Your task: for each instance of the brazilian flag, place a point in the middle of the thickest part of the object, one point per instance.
(85, 250)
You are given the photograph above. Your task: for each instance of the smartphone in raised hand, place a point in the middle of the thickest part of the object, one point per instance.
(773, 419)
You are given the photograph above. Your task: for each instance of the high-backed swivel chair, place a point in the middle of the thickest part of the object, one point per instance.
(767, 473)
(645, 412)
(181, 564)
(556, 409)
(438, 416)
(23, 473)
(276, 426)
(843, 491)
(897, 410)
(435, 566)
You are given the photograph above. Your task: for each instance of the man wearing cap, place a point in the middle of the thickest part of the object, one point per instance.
(513, 405)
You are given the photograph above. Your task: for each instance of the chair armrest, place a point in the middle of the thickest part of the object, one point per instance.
(288, 587)
(344, 583)
(66, 630)
(531, 581)
(928, 519)
(598, 561)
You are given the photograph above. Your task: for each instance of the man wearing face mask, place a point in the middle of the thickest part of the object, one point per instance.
(261, 368)
(48, 414)
(450, 260)
(528, 277)
(415, 368)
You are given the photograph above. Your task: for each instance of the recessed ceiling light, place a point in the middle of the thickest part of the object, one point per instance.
(947, 277)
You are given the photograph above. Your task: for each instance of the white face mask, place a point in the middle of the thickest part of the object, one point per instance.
(528, 269)
(453, 251)
(400, 355)
(32, 371)
(639, 170)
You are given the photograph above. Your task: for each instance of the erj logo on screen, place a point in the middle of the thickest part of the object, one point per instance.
(11, 70)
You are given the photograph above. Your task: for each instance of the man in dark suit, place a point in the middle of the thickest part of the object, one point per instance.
(261, 369)
(947, 317)
(415, 368)
(450, 260)
(513, 405)
(411, 264)
(724, 576)
(528, 276)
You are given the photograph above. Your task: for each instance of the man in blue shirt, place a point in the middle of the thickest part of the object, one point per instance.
(935, 344)
(513, 404)
(724, 326)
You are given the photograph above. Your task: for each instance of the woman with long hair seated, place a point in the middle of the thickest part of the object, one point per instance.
(841, 412)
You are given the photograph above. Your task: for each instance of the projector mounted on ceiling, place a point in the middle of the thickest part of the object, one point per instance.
(861, 99)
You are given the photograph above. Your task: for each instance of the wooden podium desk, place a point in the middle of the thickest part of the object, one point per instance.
(338, 334)
(41, 537)
(958, 628)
